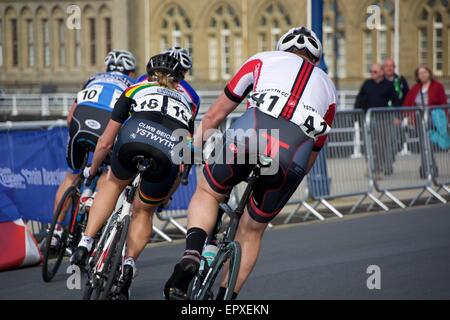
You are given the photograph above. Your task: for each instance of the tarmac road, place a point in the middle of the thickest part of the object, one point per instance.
(323, 260)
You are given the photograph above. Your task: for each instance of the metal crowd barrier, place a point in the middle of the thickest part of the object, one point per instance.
(346, 166)
(346, 142)
(387, 130)
(384, 151)
(437, 120)
(36, 227)
(58, 104)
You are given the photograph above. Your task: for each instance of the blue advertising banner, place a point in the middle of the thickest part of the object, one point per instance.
(32, 164)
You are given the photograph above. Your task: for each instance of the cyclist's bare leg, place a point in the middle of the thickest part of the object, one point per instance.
(104, 203)
(68, 180)
(140, 228)
(142, 224)
(102, 180)
(203, 208)
(249, 235)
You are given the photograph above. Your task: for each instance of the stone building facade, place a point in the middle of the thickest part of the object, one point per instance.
(41, 51)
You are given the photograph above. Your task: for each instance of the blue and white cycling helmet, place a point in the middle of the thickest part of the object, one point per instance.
(120, 60)
(302, 39)
(181, 55)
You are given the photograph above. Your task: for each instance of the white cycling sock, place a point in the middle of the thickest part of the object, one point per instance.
(130, 261)
(86, 242)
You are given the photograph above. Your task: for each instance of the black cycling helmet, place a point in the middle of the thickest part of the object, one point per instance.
(166, 64)
(181, 55)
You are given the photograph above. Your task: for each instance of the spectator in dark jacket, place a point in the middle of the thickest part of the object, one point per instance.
(399, 82)
(376, 91)
(379, 92)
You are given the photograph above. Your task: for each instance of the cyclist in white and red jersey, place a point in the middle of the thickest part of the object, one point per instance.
(288, 93)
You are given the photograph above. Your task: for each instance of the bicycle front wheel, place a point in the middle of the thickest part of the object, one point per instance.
(95, 283)
(113, 262)
(53, 254)
(231, 254)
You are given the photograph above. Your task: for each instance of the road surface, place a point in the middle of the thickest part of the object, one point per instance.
(323, 260)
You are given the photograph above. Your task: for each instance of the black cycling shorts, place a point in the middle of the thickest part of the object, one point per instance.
(149, 136)
(271, 192)
(87, 125)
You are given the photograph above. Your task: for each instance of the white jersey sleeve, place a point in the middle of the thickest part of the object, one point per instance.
(244, 80)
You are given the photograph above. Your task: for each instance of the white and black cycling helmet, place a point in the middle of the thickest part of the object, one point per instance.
(181, 55)
(120, 60)
(302, 39)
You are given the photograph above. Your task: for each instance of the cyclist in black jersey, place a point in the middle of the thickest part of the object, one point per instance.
(143, 122)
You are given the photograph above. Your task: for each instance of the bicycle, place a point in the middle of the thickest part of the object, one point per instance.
(105, 265)
(73, 227)
(229, 250)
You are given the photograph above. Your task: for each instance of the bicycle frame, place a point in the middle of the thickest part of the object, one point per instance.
(125, 209)
(205, 275)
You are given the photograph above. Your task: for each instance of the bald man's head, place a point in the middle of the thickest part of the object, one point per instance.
(389, 68)
(376, 72)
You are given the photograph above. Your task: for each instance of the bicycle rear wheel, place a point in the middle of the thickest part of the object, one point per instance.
(232, 254)
(114, 259)
(53, 255)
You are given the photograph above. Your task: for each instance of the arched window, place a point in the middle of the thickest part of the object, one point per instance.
(28, 40)
(176, 30)
(77, 47)
(105, 29)
(1, 42)
(432, 27)
(59, 29)
(423, 38)
(273, 22)
(11, 37)
(378, 43)
(90, 36)
(329, 34)
(438, 48)
(224, 42)
(43, 31)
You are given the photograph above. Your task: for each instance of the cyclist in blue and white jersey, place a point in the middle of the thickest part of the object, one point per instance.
(91, 111)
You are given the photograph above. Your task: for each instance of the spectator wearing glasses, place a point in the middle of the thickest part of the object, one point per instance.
(379, 92)
(376, 91)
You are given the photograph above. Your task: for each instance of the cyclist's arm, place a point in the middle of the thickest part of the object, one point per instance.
(106, 140)
(312, 160)
(70, 112)
(104, 144)
(318, 145)
(218, 111)
(75, 103)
